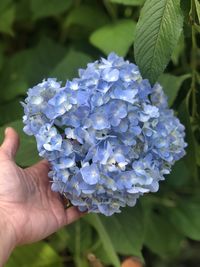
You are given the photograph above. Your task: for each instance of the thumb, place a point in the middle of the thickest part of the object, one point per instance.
(11, 142)
(41, 168)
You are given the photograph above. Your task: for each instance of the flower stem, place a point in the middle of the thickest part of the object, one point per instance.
(110, 9)
(193, 58)
(78, 244)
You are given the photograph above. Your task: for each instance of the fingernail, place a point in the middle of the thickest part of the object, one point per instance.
(6, 130)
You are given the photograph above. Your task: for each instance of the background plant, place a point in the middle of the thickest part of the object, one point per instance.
(41, 39)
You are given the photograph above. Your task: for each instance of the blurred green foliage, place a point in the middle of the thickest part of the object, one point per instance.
(40, 39)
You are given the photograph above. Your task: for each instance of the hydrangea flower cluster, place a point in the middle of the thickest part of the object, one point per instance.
(109, 136)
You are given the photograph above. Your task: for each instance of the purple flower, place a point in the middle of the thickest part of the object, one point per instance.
(109, 136)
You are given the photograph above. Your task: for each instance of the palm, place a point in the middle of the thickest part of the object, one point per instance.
(27, 200)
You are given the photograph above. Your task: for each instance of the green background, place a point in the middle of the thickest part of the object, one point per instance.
(41, 39)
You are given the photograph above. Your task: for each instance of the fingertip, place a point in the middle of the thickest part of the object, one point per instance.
(11, 133)
(41, 168)
(45, 162)
(7, 130)
(11, 142)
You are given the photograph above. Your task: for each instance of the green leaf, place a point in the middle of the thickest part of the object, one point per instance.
(96, 222)
(36, 255)
(190, 158)
(186, 217)
(197, 28)
(178, 50)
(116, 37)
(23, 12)
(161, 237)
(157, 34)
(129, 2)
(29, 67)
(80, 236)
(59, 240)
(185, 7)
(179, 176)
(198, 9)
(27, 154)
(11, 111)
(171, 85)
(1, 56)
(100, 252)
(126, 239)
(198, 154)
(80, 240)
(4, 4)
(46, 8)
(84, 16)
(68, 67)
(77, 238)
(13, 76)
(45, 56)
(7, 15)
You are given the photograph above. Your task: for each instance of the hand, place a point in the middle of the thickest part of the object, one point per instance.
(27, 203)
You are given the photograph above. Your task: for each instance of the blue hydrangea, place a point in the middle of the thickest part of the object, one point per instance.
(109, 136)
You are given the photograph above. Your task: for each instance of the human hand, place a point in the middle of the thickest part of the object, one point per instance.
(27, 204)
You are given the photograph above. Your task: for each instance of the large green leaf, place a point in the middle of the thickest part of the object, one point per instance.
(45, 56)
(27, 153)
(100, 252)
(160, 235)
(68, 67)
(11, 111)
(36, 255)
(80, 241)
(1, 57)
(4, 4)
(46, 8)
(104, 235)
(171, 85)
(84, 16)
(60, 240)
(80, 236)
(198, 154)
(7, 16)
(129, 2)
(186, 217)
(198, 9)
(13, 76)
(29, 67)
(157, 33)
(126, 239)
(178, 50)
(179, 175)
(23, 12)
(76, 238)
(116, 37)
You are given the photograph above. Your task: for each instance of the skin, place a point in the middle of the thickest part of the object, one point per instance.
(29, 210)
